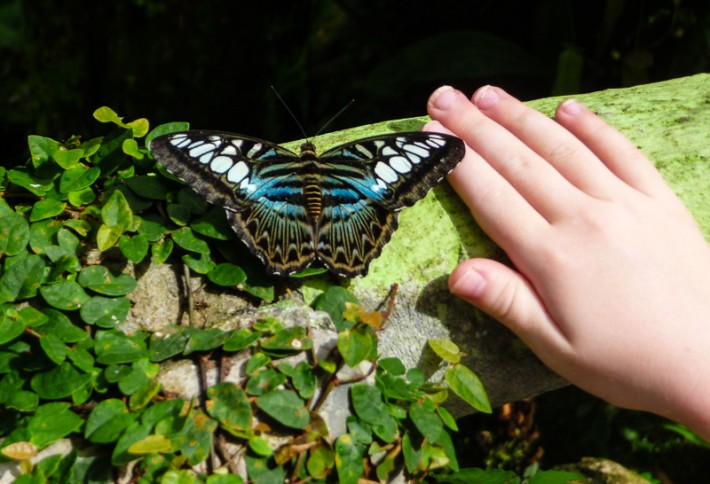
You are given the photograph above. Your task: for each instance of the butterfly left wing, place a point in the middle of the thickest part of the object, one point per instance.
(366, 182)
(255, 181)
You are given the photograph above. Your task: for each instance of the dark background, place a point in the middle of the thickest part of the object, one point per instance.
(211, 62)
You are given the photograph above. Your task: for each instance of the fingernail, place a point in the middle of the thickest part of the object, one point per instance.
(443, 98)
(467, 285)
(571, 107)
(485, 98)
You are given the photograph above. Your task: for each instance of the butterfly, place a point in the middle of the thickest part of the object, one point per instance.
(339, 208)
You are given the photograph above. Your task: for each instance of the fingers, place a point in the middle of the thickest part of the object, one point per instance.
(497, 207)
(619, 154)
(532, 177)
(508, 297)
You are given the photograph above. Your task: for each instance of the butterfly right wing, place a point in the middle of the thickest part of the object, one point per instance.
(255, 181)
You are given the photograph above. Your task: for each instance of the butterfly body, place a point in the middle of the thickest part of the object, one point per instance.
(292, 209)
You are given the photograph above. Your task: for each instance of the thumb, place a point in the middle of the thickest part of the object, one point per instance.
(504, 294)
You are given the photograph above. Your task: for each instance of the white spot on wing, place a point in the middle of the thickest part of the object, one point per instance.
(238, 143)
(183, 143)
(385, 172)
(200, 150)
(400, 164)
(238, 172)
(206, 158)
(229, 150)
(417, 150)
(254, 150)
(388, 151)
(221, 164)
(435, 141)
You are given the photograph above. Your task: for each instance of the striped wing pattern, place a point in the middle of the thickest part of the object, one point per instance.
(292, 209)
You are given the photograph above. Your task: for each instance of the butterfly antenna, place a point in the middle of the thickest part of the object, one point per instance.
(334, 116)
(278, 96)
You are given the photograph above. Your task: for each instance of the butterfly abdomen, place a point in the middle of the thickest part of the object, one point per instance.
(313, 195)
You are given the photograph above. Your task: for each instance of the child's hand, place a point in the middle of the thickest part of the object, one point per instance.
(612, 287)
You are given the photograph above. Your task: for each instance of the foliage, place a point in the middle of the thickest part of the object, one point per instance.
(67, 370)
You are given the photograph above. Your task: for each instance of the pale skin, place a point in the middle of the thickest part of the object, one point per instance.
(611, 285)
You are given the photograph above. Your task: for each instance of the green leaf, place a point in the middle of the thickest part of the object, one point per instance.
(393, 366)
(30, 182)
(10, 324)
(226, 274)
(22, 278)
(464, 383)
(99, 279)
(187, 240)
(150, 187)
(355, 345)
(42, 235)
(263, 470)
(78, 178)
(258, 360)
(288, 340)
(230, 406)
(368, 404)
(144, 395)
(105, 114)
(133, 248)
(423, 414)
(31, 317)
(152, 227)
(446, 349)
(260, 446)
(14, 234)
(162, 250)
(105, 312)
(106, 237)
(191, 201)
(162, 348)
(81, 197)
(139, 126)
(320, 460)
(348, 459)
(205, 340)
(130, 147)
(214, 225)
(60, 326)
(178, 214)
(195, 439)
(304, 380)
(264, 381)
(332, 301)
(240, 339)
(41, 149)
(59, 382)
(53, 347)
(285, 407)
(201, 264)
(65, 295)
(116, 212)
(23, 401)
(47, 208)
(67, 158)
(447, 418)
(113, 346)
(151, 444)
(107, 421)
(52, 422)
(135, 432)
